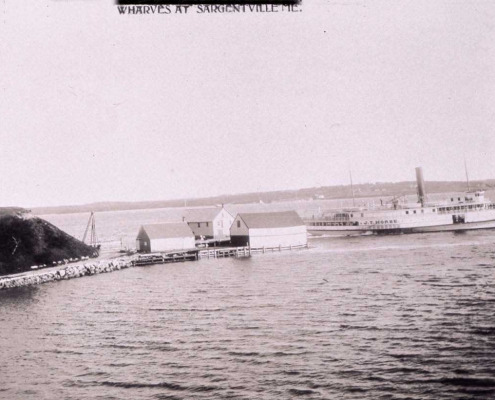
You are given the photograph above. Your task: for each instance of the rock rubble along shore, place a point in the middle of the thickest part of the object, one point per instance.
(69, 272)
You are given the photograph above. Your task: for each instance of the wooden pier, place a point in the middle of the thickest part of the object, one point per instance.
(196, 254)
(163, 258)
(246, 251)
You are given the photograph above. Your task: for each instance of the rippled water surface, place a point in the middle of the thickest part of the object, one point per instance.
(396, 317)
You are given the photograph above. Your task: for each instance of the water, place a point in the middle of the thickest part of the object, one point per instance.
(395, 317)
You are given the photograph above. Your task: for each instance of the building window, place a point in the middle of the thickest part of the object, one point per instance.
(414, 211)
(238, 224)
(407, 212)
(199, 224)
(207, 224)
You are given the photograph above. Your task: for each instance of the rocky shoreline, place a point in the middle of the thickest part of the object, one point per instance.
(65, 273)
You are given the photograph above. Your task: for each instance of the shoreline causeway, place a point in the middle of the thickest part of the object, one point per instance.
(69, 271)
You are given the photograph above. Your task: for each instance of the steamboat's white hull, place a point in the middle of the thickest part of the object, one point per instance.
(384, 224)
(455, 227)
(362, 231)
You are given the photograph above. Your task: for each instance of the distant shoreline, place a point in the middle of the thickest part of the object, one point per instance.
(368, 190)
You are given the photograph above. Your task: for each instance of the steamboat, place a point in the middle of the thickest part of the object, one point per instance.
(458, 213)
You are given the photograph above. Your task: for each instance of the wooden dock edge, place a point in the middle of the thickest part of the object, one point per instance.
(245, 251)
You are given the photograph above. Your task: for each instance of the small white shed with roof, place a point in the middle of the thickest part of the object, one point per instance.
(211, 222)
(268, 229)
(164, 237)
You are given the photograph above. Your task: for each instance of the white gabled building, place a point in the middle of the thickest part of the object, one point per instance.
(268, 229)
(164, 237)
(211, 223)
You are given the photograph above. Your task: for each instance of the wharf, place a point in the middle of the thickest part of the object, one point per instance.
(163, 258)
(197, 254)
(239, 252)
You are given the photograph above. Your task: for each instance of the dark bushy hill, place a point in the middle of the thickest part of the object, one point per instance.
(33, 241)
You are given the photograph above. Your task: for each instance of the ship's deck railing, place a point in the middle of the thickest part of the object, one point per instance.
(332, 223)
(449, 209)
(330, 219)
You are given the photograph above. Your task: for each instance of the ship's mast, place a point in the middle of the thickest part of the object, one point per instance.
(352, 190)
(467, 177)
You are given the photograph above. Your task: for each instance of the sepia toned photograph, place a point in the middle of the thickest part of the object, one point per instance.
(247, 200)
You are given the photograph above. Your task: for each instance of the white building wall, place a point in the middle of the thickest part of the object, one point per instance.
(188, 243)
(166, 244)
(218, 228)
(274, 237)
(221, 225)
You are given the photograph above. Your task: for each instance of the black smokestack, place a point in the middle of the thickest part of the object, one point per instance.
(421, 186)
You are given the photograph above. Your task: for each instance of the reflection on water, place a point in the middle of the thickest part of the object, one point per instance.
(394, 317)
(21, 299)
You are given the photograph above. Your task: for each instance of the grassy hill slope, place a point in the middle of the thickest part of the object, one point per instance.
(34, 241)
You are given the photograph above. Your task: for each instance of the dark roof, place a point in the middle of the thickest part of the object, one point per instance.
(281, 219)
(202, 214)
(167, 230)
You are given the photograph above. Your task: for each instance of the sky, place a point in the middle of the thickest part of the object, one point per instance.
(97, 106)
